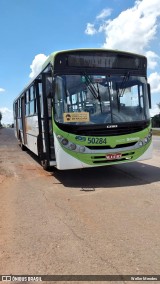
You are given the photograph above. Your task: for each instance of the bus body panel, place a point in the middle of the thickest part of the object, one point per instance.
(32, 132)
(147, 154)
(65, 161)
(138, 148)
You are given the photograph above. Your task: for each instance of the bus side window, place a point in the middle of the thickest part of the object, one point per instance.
(31, 93)
(19, 108)
(41, 99)
(27, 109)
(16, 109)
(32, 100)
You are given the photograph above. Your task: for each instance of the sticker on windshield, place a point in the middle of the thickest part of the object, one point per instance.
(76, 117)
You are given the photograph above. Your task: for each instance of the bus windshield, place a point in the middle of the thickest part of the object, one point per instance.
(100, 99)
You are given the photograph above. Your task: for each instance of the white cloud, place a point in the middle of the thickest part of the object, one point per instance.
(103, 26)
(154, 111)
(90, 29)
(7, 115)
(154, 81)
(2, 90)
(134, 28)
(37, 64)
(104, 13)
(152, 57)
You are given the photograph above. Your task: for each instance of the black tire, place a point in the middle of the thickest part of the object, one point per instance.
(39, 148)
(45, 165)
(23, 148)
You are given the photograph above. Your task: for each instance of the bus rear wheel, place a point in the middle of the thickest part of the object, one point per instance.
(21, 144)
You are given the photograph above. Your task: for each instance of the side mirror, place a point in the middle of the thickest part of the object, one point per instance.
(149, 95)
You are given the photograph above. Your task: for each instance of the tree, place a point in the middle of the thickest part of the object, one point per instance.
(156, 119)
(0, 117)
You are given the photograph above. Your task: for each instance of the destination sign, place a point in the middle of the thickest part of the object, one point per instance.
(105, 61)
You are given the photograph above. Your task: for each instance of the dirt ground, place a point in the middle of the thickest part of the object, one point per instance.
(101, 221)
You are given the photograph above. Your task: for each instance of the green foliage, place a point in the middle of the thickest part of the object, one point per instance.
(0, 117)
(156, 120)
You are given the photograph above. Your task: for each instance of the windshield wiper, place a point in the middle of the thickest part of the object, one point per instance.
(93, 90)
(122, 86)
(99, 97)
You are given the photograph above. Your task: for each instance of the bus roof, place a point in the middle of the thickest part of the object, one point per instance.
(51, 57)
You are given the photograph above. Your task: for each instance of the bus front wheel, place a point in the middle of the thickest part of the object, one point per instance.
(45, 165)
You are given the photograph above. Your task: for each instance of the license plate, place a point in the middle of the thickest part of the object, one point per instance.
(113, 156)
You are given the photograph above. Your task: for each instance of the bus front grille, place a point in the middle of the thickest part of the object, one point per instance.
(107, 147)
(105, 130)
(109, 131)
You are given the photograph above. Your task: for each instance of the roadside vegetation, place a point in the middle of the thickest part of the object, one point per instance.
(156, 121)
(0, 119)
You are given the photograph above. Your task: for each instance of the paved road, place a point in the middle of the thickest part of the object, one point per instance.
(92, 221)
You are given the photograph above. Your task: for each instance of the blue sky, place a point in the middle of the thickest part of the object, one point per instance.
(32, 29)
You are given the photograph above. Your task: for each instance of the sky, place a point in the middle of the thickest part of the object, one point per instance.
(30, 30)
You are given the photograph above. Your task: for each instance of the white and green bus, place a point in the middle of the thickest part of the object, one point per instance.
(86, 108)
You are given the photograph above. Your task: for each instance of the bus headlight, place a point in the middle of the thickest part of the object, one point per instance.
(72, 146)
(140, 143)
(150, 134)
(59, 137)
(145, 140)
(64, 141)
(82, 149)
